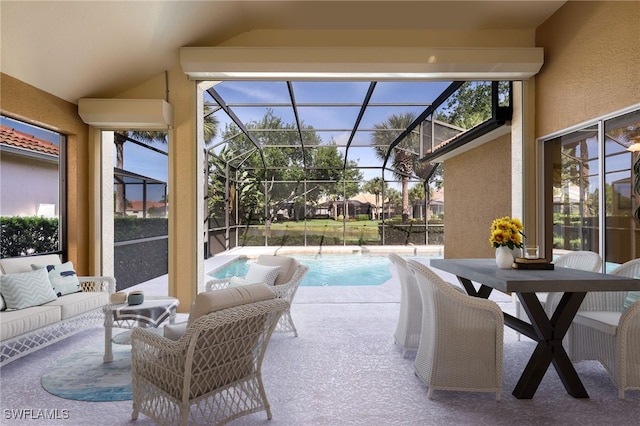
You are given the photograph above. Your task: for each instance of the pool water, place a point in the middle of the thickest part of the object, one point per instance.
(328, 269)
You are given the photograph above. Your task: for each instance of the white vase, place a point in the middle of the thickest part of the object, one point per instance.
(504, 257)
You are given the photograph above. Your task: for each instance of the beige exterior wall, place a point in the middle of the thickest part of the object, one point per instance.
(186, 246)
(478, 190)
(25, 183)
(592, 63)
(591, 68)
(25, 102)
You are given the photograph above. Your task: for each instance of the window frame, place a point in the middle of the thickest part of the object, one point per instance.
(545, 210)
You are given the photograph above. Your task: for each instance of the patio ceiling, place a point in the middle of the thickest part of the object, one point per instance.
(98, 49)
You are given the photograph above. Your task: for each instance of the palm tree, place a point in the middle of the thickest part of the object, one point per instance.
(403, 156)
(119, 139)
(375, 186)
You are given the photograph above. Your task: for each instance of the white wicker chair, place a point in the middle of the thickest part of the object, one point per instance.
(212, 374)
(285, 286)
(407, 333)
(584, 260)
(605, 331)
(461, 340)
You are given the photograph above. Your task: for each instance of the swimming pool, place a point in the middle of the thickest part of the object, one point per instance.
(359, 269)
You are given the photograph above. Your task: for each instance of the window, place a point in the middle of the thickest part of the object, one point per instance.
(31, 193)
(592, 190)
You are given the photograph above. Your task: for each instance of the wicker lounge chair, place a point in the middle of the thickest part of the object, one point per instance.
(212, 374)
(606, 331)
(285, 286)
(584, 260)
(407, 333)
(461, 340)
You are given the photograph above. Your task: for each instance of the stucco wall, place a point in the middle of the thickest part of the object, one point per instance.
(478, 190)
(25, 183)
(29, 104)
(592, 63)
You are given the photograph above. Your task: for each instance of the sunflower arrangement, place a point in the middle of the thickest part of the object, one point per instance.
(506, 231)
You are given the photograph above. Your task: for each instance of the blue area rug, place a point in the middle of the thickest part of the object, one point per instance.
(83, 376)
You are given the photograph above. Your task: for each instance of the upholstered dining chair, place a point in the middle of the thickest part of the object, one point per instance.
(212, 373)
(286, 283)
(407, 333)
(461, 340)
(607, 329)
(581, 259)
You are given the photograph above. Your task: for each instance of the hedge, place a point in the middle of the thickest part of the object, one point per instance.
(21, 236)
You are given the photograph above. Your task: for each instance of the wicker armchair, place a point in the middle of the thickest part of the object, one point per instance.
(605, 331)
(212, 374)
(407, 333)
(285, 286)
(461, 340)
(584, 260)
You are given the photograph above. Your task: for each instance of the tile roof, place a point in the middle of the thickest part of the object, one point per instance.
(137, 205)
(9, 136)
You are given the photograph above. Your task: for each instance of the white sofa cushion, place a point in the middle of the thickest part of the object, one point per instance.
(79, 303)
(12, 265)
(15, 323)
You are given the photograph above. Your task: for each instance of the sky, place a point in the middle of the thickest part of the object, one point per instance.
(337, 120)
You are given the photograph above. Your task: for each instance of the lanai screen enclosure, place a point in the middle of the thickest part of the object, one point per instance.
(336, 163)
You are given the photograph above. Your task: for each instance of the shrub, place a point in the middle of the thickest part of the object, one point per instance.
(21, 236)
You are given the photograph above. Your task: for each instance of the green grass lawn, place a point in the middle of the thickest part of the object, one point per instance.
(324, 223)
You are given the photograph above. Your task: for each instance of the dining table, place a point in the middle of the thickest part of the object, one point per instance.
(480, 277)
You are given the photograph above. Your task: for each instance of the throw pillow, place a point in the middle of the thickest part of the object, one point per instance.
(632, 296)
(287, 264)
(262, 274)
(63, 278)
(239, 281)
(3, 306)
(26, 289)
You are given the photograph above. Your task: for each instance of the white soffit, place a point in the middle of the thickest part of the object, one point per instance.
(381, 63)
(126, 113)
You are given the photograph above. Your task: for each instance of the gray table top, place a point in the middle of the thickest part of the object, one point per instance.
(485, 271)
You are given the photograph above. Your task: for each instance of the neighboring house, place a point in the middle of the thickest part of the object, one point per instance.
(363, 203)
(153, 208)
(29, 176)
(435, 207)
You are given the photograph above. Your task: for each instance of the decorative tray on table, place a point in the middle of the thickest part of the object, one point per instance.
(524, 263)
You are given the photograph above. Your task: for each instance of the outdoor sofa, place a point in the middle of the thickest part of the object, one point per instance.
(26, 324)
